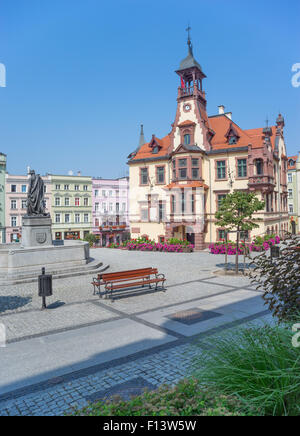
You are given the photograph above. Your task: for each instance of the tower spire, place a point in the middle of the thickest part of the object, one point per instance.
(189, 42)
(142, 138)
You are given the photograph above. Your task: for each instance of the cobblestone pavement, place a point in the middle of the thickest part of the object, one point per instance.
(191, 285)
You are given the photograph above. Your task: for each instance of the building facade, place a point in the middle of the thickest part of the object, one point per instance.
(293, 195)
(110, 210)
(71, 209)
(16, 203)
(177, 182)
(2, 198)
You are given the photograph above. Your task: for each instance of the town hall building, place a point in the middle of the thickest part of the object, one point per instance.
(177, 182)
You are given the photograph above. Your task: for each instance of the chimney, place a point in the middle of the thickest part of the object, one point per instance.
(79, 173)
(221, 109)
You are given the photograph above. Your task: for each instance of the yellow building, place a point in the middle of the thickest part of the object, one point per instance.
(177, 182)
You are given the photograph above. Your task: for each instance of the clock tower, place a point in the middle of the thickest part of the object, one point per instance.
(191, 116)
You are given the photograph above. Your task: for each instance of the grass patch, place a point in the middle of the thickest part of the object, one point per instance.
(187, 398)
(259, 366)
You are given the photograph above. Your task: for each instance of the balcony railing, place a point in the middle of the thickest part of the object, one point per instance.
(261, 180)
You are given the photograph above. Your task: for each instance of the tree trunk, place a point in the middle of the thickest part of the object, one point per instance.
(237, 251)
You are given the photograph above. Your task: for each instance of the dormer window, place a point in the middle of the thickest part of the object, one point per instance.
(155, 150)
(187, 139)
(232, 140)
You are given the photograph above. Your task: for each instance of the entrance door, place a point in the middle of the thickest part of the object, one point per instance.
(190, 237)
(293, 227)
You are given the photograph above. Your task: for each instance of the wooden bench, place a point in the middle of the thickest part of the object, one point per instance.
(128, 279)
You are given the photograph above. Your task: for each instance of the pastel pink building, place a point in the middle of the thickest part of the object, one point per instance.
(110, 210)
(16, 203)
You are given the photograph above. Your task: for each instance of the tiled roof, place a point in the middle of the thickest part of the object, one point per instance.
(220, 125)
(256, 136)
(146, 151)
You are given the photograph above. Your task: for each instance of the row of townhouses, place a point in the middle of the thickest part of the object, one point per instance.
(78, 205)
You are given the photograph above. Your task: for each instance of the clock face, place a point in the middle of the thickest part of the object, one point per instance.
(187, 107)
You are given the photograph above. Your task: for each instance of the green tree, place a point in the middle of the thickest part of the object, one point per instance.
(90, 238)
(235, 214)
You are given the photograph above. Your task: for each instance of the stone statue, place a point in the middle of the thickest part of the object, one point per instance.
(35, 197)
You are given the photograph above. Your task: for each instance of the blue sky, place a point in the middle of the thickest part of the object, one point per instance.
(83, 74)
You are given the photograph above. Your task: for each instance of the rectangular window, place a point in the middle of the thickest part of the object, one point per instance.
(85, 201)
(13, 188)
(85, 187)
(221, 234)
(290, 193)
(57, 201)
(110, 193)
(45, 188)
(67, 218)
(173, 204)
(221, 169)
(193, 203)
(66, 187)
(291, 208)
(13, 221)
(161, 211)
(220, 198)
(195, 173)
(182, 163)
(160, 175)
(67, 201)
(144, 214)
(13, 204)
(57, 187)
(182, 202)
(144, 176)
(96, 207)
(195, 162)
(24, 189)
(76, 187)
(96, 193)
(290, 177)
(110, 207)
(242, 167)
(86, 218)
(24, 204)
(77, 201)
(182, 173)
(244, 235)
(103, 193)
(77, 218)
(117, 207)
(104, 207)
(123, 207)
(57, 217)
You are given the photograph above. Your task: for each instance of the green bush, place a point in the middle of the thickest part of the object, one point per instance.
(187, 398)
(259, 366)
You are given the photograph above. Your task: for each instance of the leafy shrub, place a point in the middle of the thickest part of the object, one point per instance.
(259, 366)
(280, 279)
(187, 398)
(91, 239)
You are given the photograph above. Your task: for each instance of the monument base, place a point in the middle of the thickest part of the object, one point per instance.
(36, 231)
(20, 265)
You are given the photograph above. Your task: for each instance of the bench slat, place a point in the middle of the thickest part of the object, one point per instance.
(133, 284)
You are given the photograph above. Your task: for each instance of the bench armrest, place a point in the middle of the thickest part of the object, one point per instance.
(160, 275)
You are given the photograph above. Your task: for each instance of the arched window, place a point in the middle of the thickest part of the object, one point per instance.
(187, 139)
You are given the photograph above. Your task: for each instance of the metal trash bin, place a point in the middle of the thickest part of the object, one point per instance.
(45, 287)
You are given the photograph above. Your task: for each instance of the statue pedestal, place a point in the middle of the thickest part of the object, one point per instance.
(36, 231)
